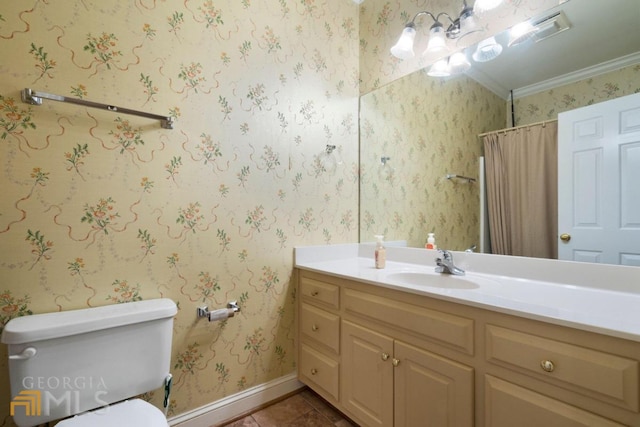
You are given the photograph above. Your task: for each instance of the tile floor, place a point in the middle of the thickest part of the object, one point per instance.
(304, 409)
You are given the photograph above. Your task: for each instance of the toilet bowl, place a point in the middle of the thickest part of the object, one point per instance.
(130, 413)
(89, 365)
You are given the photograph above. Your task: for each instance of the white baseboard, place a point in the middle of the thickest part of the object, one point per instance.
(237, 404)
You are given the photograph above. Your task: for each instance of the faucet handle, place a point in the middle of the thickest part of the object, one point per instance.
(446, 254)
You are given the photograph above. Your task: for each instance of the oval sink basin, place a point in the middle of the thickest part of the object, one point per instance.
(433, 280)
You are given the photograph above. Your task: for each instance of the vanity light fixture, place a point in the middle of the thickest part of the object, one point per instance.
(520, 33)
(481, 6)
(440, 69)
(458, 63)
(403, 49)
(451, 66)
(487, 50)
(539, 30)
(458, 28)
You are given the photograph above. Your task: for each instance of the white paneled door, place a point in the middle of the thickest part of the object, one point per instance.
(599, 182)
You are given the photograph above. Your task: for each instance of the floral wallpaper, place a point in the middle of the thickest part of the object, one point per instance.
(424, 128)
(382, 22)
(100, 207)
(546, 105)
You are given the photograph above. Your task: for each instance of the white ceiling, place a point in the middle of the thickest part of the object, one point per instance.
(601, 31)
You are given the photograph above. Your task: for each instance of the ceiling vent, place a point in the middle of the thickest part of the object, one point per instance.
(551, 26)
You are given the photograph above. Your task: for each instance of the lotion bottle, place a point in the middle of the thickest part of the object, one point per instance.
(431, 242)
(381, 252)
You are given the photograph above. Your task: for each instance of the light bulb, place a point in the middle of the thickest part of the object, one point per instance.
(440, 69)
(521, 32)
(481, 6)
(458, 63)
(487, 50)
(437, 43)
(403, 49)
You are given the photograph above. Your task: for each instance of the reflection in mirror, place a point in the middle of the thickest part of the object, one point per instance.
(429, 127)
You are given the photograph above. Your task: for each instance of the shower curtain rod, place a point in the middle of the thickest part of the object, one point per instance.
(543, 123)
(35, 98)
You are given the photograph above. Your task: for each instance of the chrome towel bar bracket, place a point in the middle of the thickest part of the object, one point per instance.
(35, 98)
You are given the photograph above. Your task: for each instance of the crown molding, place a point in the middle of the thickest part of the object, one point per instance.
(565, 79)
(579, 75)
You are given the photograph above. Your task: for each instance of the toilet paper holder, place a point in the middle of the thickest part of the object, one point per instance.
(219, 314)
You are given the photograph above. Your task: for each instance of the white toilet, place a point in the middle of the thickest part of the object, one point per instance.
(70, 362)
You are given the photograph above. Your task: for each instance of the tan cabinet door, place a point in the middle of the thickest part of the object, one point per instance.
(509, 405)
(431, 391)
(367, 375)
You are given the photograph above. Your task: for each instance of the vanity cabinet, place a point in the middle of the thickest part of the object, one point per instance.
(319, 337)
(388, 382)
(557, 376)
(388, 358)
(382, 371)
(509, 405)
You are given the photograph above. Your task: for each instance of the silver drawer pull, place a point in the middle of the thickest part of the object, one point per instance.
(547, 365)
(314, 371)
(314, 328)
(384, 356)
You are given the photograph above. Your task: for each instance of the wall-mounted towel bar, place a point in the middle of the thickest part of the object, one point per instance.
(466, 178)
(35, 98)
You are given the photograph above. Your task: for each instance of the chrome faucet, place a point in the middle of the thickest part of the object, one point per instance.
(445, 264)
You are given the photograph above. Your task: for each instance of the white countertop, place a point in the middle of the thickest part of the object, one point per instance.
(598, 298)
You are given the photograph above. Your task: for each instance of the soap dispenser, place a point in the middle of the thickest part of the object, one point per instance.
(431, 241)
(381, 252)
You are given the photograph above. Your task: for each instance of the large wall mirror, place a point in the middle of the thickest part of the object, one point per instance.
(417, 130)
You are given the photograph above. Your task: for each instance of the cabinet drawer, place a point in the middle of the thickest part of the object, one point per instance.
(509, 405)
(611, 378)
(444, 328)
(320, 326)
(320, 370)
(320, 293)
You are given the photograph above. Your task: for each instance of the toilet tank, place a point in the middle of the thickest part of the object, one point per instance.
(65, 363)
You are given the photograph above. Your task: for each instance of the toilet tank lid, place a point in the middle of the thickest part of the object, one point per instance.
(46, 326)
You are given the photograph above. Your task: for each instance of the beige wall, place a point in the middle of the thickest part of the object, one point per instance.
(546, 105)
(101, 208)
